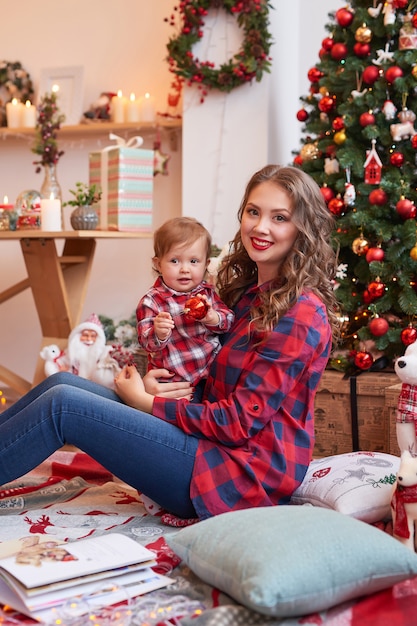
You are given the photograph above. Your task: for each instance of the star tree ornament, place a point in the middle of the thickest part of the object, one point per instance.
(160, 159)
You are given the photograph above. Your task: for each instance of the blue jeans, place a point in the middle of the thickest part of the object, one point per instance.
(149, 454)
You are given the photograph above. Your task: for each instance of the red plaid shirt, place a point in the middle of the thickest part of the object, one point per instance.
(192, 345)
(256, 423)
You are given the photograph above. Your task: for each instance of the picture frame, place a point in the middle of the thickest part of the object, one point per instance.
(70, 81)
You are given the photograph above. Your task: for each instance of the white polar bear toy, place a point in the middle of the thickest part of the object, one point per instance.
(54, 359)
(404, 501)
(406, 370)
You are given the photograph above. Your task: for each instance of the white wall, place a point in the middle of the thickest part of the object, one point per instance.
(123, 46)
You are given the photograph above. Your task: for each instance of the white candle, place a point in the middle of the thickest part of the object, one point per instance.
(14, 113)
(29, 115)
(51, 214)
(132, 109)
(118, 105)
(147, 108)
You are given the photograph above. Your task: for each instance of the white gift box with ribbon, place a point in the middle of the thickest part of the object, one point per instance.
(125, 174)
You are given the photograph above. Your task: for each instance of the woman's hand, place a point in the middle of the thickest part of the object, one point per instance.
(129, 386)
(175, 391)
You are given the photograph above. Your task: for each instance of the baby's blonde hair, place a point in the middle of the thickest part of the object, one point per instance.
(179, 231)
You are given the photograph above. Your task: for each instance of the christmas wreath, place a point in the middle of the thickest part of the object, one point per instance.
(15, 82)
(248, 64)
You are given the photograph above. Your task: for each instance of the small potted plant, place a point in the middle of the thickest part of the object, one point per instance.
(84, 216)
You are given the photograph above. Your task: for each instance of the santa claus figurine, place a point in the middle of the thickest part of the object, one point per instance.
(89, 356)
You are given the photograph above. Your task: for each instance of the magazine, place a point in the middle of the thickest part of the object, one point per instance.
(44, 573)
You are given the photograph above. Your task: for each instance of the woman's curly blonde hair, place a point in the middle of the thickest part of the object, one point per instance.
(310, 265)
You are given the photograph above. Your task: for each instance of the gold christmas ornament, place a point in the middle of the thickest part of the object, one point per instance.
(413, 253)
(414, 72)
(309, 152)
(363, 34)
(339, 137)
(324, 91)
(360, 246)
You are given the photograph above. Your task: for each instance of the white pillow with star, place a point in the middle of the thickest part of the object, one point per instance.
(358, 484)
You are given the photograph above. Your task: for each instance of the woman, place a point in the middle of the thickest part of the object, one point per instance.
(250, 440)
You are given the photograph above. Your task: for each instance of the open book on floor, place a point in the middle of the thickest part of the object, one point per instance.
(43, 574)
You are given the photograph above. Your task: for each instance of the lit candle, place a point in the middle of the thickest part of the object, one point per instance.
(14, 113)
(6, 205)
(51, 213)
(132, 109)
(118, 105)
(147, 109)
(29, 115)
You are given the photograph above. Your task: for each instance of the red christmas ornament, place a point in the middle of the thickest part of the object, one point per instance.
(414, 138)
(378, 326)
(397, 159)
(378, 196)
(376, 289)
(314, 75)
(336, 206)
(370, 74)
(392, 73)
(414, 20)
(363, 360)
(367, 299)
(366, 119)
(361, 50)
(326, 104)
(344, 17)
(327, 43)
(327, 193)
(408, 335)
(339, 123)
(302, 115)
(406, 209)
(375, 254)
(298, 160)
(196, 308)
(400, 4)
(339, 51)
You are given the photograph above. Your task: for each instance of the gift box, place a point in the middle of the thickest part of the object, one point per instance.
(125, 176)
(351, 413)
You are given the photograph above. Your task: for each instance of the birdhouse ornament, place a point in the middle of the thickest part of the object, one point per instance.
(372, 166)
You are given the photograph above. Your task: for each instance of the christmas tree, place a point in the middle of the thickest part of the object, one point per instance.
(360, 145)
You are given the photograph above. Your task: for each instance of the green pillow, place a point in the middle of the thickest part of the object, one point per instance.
(292, 560)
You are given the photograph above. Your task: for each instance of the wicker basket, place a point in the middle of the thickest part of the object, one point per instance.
(140, 359)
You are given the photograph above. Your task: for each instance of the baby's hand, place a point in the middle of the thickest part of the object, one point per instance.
(163, 325)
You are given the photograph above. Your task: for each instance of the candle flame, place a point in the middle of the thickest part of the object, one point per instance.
(51, 197)
(14, 101)
(119, 93)
(147, 95)
(28, 103)
(55, 88)
(132, 97)
(5, 200)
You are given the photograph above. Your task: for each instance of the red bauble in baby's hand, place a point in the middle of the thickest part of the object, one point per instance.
(196, 308)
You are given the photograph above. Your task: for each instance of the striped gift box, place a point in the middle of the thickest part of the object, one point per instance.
(125, 176)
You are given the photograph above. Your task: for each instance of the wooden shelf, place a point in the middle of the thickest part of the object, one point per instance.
(97, 128)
